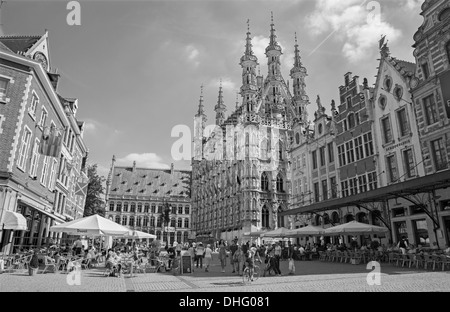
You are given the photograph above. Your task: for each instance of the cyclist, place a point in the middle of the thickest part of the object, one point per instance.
(251, 255)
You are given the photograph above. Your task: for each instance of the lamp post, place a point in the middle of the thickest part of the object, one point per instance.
(166, 216)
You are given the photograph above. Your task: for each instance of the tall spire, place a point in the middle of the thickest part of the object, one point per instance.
(220, 108)
(248, 44)
(297, 58)
(273, 44)
(201, 111)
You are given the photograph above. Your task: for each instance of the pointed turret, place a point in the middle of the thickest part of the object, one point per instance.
(248, 64)
(298, 74)
(201, 112)
(109, 179)
(273, 53)
(220, 107)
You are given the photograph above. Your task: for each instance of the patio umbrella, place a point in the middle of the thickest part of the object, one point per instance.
(91, 225)
(355, 228)
(280, 232)
(309, 230)
(135, 234)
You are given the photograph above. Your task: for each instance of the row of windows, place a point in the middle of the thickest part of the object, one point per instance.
(359, 184)
(152, 222)
(403, 126)
(50, 164)
(408, 163)
(356, 149)
(265, 183)
(123, 207)
(323, 156)
(329, 189)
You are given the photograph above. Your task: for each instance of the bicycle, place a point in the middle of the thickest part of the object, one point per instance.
(247, 278)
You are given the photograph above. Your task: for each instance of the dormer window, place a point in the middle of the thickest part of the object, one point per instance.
(425, 70)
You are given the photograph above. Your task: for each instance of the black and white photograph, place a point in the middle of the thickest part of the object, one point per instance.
(219, 152)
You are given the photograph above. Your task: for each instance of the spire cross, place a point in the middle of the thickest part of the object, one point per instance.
(296, 38)
(248, 25)
(201, 90)
(271, 16)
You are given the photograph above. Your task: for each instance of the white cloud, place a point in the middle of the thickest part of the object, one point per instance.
(358, 26)
(90, 127)
(260, 44)
(413, 5)
(227, 84)
(144, 160)
(192, 54)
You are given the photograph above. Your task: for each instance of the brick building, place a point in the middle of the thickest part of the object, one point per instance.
(29, 104)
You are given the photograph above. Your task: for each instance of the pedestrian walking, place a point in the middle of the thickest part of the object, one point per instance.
(233, 249)
(199, 253)
(277, 253)
(208, 257)
(222, 255)
(191, 251)
(239, 257)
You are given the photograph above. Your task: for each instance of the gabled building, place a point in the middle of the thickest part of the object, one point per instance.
(137, 197)
(35, 125)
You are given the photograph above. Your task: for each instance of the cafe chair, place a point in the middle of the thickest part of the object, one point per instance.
(49, 263)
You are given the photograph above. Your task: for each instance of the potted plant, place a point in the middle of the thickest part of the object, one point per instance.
(33, 266)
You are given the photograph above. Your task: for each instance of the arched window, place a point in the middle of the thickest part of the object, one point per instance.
(152, 221)
(118, 219)
(111, 206)
(131, 222)
(280, 218)
(326, 218)
(280, 150)
(264, 182)
(146, 208)
(124, 220)
(145, 221)
(349, 218)
(444, 14)
(186, 223)
(335, 217)
(158, 235)
(179, 237)
(264, 149)
(172, 222)
(265, 217)
(185, 237)
(317, 219)
(125, 207)
(158, 222)
(279, 184)
(362, 217)
(119, 207)
(297, 138)
(133, 207)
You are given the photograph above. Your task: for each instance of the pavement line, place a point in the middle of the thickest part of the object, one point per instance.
(190, 284)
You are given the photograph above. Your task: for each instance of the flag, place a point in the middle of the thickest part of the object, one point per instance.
(51, 142)
(81, 187)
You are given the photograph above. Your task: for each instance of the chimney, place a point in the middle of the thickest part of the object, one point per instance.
(171, 168)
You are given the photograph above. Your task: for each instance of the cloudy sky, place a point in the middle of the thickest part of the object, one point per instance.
(137, 66)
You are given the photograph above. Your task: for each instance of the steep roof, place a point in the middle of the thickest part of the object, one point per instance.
(4, 48)
(150, 182)
(19, 43)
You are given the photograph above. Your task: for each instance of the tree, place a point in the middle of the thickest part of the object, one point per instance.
(94, 203)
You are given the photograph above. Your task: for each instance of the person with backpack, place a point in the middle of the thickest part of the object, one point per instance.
(199, 254)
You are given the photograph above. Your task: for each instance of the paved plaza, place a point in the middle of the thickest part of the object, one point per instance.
(310, 276)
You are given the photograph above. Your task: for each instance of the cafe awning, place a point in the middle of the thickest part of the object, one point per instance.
(14, 221)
